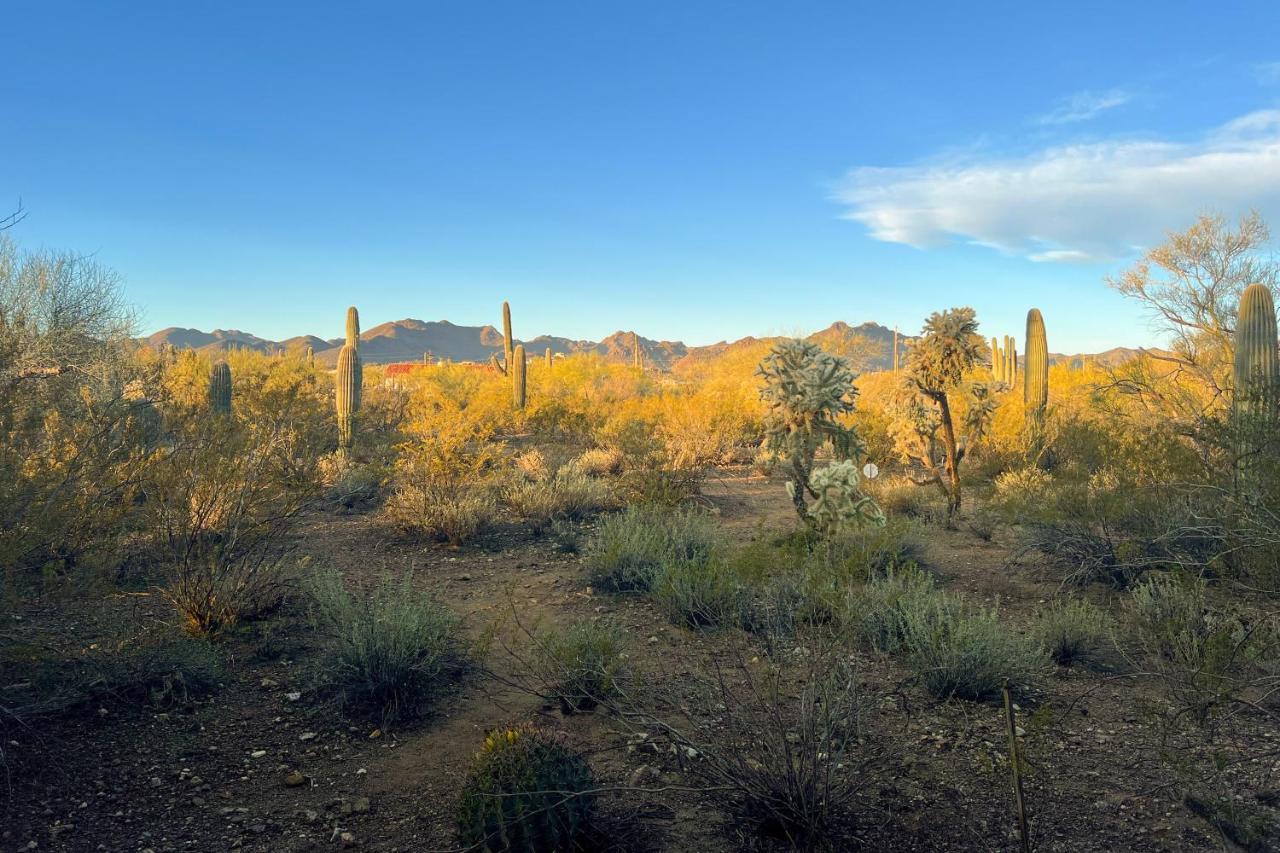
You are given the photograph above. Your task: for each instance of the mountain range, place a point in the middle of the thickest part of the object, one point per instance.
(868, 346)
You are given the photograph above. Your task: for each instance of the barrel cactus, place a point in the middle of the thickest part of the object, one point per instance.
(1255, 370)
(526, 792)
(518, 371)
(1035, 378)
(220, 388)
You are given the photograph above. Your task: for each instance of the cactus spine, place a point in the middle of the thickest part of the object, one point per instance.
(518, 376)
(1035, 379)
(1255, 371)
(508, 343)
(348, 381)
(220, 388)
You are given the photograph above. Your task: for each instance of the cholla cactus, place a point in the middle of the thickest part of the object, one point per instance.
(806, 391)
(841, 504)
(220, 388)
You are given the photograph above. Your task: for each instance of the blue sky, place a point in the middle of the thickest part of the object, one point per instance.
(691, 170)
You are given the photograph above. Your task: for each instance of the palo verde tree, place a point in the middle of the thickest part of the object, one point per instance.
(938, 365)
(806, 391)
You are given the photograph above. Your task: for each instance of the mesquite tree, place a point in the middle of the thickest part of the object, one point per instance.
(806, 391)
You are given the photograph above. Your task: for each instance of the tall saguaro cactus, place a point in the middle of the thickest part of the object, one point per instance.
(348, 381)
(518, 370)
(1035, 379)
(1256, 371)
(550, 358)
(637, 357)
(220, 388)
(508, 343)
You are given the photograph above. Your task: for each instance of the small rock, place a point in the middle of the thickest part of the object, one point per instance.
(295, 779)
(258, 753)
(293, 697)
(643, 775)
(348, 839)
(305, 736)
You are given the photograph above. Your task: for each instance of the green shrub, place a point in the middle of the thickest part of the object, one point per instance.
(526, 792)
(630, 548)
(667, 487)
(901, 497)
(1074, 631)
(598, 462)
(966, 652)
(880, 611)
(448, 515)
(566, 495)
(390, 651)
(581, 664)
(700, 593)
(1207, 653)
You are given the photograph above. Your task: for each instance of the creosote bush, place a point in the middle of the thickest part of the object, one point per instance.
(527, 791)
(967, 652)
(448, 515)
(1074, 631)
(700, 592)
(389, 652)
(630, 549)
(580, 664)
(567, 495)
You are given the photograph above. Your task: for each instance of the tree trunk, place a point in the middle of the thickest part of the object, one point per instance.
(953, 462)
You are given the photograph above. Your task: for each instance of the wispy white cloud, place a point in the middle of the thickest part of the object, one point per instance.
(1072, 203)
(1083, 106)
(1267, 73)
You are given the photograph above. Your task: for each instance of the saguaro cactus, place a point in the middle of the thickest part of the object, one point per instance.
(347, 394)
(518, 376)
(1255, 371)
(508, 343)
(348, 381)
(353, 327)
(1035, 379)
(637, 357)
(220, 388)
(997, 361)
(550, 358)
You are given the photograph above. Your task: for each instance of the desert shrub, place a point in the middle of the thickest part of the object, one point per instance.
(580, 664)
(158, 666)
(222, 497)
(390, 651)
(901, 497)
(441, 514)
(598, 462)
(1074, 631)
(566, 495)
(533, 465)
(525, 791)
(630, 549)
(699, 592)
(963, 651)
(350, 484)
(76, 424)
(780, 740)
(880, 611)
(1207, 654)
(662, 486)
